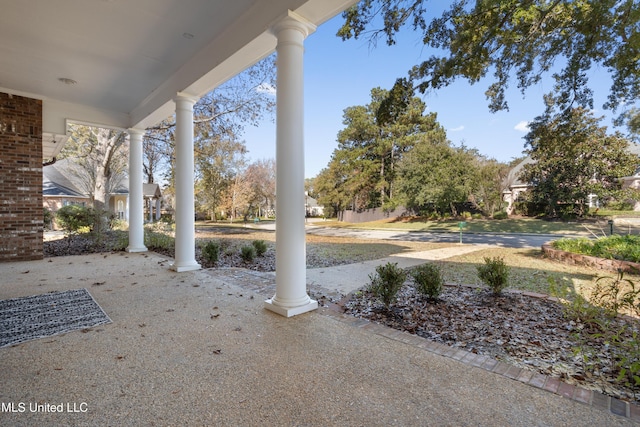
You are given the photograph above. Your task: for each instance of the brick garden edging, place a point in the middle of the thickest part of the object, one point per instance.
(613, 265)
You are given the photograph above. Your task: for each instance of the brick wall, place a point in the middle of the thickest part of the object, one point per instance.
(21, 218)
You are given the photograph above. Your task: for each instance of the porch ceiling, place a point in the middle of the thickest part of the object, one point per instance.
(129, 58)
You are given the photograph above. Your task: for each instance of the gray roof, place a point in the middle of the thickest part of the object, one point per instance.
(513, 178)
(59, 180)
(149, 190)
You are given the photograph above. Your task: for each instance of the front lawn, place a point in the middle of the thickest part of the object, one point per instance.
(516, 225)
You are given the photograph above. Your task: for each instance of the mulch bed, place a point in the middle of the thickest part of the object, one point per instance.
(524, 331)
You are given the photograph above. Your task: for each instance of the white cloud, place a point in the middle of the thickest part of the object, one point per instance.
(522, 126)
(458, 129)
(266, 88)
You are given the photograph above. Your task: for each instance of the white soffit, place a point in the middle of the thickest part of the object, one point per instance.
(127, 59)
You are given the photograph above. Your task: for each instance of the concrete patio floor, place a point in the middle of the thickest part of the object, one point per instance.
(198, 348)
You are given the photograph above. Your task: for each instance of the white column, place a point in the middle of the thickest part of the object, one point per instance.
(158, 206)
(150, 210)
(185, 231)
(136, 214)
(291, 296)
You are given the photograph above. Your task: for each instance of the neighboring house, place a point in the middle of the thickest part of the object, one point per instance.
(311, 206)
(633, 181)
(514, 186)
(61, 187)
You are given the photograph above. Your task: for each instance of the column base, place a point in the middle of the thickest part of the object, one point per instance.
(137, 249)
(290, 311)
(185, 267)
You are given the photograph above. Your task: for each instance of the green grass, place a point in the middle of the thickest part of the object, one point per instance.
(585, 227)
(356, 252)
(238, 223)
(526, 225)
(528, 270)
(612, 214)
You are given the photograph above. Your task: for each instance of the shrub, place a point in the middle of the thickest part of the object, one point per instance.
(428, 280)
(73, 217)
(247, 253)
(47, 218)
(615, 205)
(494, 273)
(260, 246)
(387, 281)
(154, 240)
(211, 251)
(119, 224)
(500, 215)
(616, 294)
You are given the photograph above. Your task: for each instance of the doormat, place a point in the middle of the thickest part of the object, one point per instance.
(39, 316)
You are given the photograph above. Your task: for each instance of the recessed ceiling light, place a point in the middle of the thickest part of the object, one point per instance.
(67, 81)
(188, 36)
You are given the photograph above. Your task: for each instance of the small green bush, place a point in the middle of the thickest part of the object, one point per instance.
(387, 281)
(428, 280)
(211, 251)
(500, 215)
(119, 224)
(47, 218)
(247, 253)
(72, 218)
(616, 295)
(260, 246)
(494, 273)
(154, 240)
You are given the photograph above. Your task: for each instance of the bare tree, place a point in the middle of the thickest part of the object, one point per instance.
(261, 177)
(220, 115)
(100, 159)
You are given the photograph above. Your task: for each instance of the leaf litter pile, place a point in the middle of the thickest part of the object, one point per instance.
(528, 332)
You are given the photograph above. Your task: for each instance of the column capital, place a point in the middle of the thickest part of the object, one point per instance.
(293, 21)
(186, 97)
(135, 131)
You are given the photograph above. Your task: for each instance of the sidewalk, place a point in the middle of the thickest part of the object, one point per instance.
(350, 277)
(198, 348)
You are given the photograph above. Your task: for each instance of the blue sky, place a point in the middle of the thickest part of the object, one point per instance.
(340, 74)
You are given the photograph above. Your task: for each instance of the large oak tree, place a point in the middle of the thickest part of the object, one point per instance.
(574, 157)
(517, 42)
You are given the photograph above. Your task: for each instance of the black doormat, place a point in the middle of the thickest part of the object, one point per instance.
(39, 316)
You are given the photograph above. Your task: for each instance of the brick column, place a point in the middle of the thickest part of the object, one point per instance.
(21, 208)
